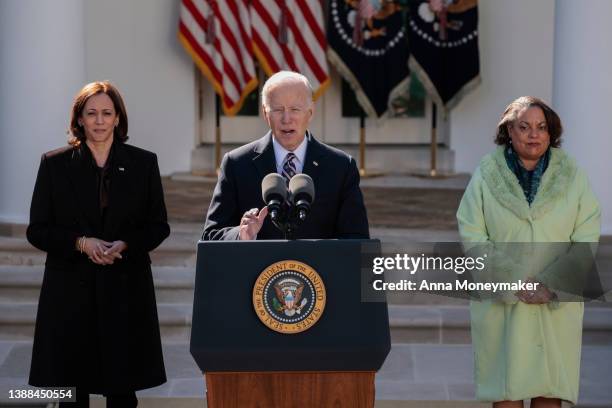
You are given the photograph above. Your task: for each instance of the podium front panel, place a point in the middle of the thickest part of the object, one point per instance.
(227, 334)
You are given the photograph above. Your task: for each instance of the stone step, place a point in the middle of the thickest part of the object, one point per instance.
(432, 324)
(17, 321)
(177, 252)
(21, 283)
(441, 324)
(180, 247)
(174, 284)
(184, 237)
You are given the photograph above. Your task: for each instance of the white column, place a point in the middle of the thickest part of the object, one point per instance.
(582, 93)
(42, 56)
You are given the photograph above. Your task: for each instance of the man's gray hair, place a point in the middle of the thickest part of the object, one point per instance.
(284, 77)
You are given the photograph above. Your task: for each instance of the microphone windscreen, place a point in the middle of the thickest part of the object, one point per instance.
(302, 184)
(273, 184)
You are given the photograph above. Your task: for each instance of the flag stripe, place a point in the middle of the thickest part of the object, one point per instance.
(198, 32)
(311, 37)
(192, 25)
(268, 43)
(305, 50)
(206, 60)
(288, 62)
(266, 53)
(242, 14)
(243, 21)
(228, 61)
(315, 28)
(195, 13)
(231, 41)
(224, 56)
(300, 59)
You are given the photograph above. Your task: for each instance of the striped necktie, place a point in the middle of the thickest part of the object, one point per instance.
(289, 167)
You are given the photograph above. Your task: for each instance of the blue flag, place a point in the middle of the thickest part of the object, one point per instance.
(368, 45)
(443, 36)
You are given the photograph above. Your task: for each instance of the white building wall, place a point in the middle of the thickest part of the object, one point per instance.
(134, 44)
(516, 58)
(42, 66)
(583, 91)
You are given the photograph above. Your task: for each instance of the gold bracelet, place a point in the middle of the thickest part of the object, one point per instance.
(82, 243)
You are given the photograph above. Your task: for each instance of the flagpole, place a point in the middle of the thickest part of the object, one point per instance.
(433, 150)
(434, 145)
(217, 133)
(362, 136)
(362, 146)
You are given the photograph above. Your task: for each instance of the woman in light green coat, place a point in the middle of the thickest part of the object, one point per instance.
(527, 344)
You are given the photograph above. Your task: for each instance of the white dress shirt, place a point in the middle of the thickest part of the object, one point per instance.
(280, 153)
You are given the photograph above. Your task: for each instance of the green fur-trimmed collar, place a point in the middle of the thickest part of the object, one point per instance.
(507, 191)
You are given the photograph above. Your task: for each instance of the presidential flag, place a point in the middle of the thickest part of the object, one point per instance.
(369, 48)
(289, 35)
(444, 48)
(217, 35)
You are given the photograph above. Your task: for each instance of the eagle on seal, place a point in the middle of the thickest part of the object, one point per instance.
(289, 298)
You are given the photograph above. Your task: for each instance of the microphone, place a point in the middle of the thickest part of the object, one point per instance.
(302, 191)
(274, 194)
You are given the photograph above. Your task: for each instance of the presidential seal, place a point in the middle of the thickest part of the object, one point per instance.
(289, 297)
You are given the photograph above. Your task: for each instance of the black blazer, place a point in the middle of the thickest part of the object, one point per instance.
(337, 212)
(97, 326)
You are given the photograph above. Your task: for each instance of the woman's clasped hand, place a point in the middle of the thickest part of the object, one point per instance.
(101, 252)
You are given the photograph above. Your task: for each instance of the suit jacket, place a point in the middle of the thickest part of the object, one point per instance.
(97, 326)
(337, 212)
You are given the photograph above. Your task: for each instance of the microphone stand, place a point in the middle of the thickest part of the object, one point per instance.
(289, 223)
(286, 228)
(289, 233)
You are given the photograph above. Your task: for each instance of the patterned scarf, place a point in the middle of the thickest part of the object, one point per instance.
(528, 179)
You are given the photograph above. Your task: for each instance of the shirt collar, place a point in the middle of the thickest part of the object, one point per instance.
(280, 152)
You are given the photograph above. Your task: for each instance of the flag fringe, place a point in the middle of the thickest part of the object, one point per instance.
(433, 92)
(363, 100)
(348, 76)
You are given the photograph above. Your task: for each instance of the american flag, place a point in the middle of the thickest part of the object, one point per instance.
(217, 35)
(289, 35)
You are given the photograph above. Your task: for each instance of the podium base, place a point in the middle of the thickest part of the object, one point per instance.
(290, 389)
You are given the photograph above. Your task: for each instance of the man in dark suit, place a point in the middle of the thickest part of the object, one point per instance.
(237, 210)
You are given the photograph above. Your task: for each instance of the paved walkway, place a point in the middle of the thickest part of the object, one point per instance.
(412, 372)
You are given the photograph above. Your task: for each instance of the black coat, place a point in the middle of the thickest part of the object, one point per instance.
(337, 212)
(97, 326)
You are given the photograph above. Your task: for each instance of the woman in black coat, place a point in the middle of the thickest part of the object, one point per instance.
(97, 210)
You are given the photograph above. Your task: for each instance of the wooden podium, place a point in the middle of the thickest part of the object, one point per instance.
(248, 365)
(290, 389)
